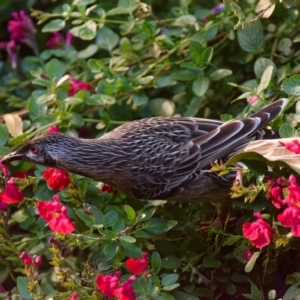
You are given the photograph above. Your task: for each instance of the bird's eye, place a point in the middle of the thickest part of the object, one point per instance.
(34, 149)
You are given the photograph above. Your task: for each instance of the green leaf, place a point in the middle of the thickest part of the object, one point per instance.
(100, 99)
(109, 218)
(169, 279)
(141, 234)
(130, 250)
(230, 288)
(251, 263)
(107, 39)
(4, 135)
(157, 226)
(129, 212)
(54, 25)
(183, 75)
(140, 98)
(88, 219)
(55, 69)
(265, 79)
(200, 86)
(164, 81)
(219, 74)
(89, 51)
(110, 250)
(193, 107)
(255, 292)
(171, 262)
(251, 38)
(161, 107)
(183, 296)
(211, 262)
(22, 283)
(73, 100)
(261, 64)
(155, 262)
(128, 239)
(76, 119)
(291, 85)
(124, 7)
(119, 225)
(284, 46)
(47, 288)
(185, 20)
(86, 31)
(286, 131)
(292, 292)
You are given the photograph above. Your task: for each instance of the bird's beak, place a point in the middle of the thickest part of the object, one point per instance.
(11, 157)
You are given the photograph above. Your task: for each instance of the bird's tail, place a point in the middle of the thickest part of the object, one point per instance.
(270, 112)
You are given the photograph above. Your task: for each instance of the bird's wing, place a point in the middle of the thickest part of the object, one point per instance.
(167, 152)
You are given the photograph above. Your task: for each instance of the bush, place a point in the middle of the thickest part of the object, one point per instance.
(85, 67)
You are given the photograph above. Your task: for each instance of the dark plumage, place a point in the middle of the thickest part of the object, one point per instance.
(155, 158)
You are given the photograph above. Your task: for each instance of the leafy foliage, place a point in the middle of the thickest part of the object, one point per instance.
(134, 60)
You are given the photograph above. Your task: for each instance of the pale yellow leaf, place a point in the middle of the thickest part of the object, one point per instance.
(14, 124)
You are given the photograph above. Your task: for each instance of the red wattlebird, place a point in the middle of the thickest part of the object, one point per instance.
(156, 158)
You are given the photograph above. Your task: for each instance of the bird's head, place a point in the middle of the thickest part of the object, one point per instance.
(48, 149)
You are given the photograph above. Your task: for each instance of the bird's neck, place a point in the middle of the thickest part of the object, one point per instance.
(99, 159)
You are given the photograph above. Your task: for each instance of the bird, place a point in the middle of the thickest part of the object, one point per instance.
(158, 158)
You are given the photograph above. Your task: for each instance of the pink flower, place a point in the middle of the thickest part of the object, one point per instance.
(275, 192)
(4, 169)
(259, 232)
(137, 265)
(56, 179)
(293, 146)
(77, 85)
(26, 258)
(22, 175)
(53, 128)
(37, 260)
(11, 49)
(252, 100)
(106, 284)
(56, 215)
(290, 218)
(247, 254)
(21, 28)
(125, 290)
(11, 194)
(73, 297)
(57, 40)
(217, 8)
(294, 191)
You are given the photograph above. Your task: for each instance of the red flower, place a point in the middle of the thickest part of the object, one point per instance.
(106, 284)
(56, 215)
(12, 193)
(137, 265)
(275, 192)
(290, 218)
(73, 297)
(57, 40)
(105, 188)
(259, 232)
(26, 258)
(4, 169)
(293, 146)
(125, 290)
(21, 28)
(57, 179)
(294, 191)
(77, 85)
(53, 128)
(22, 175)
